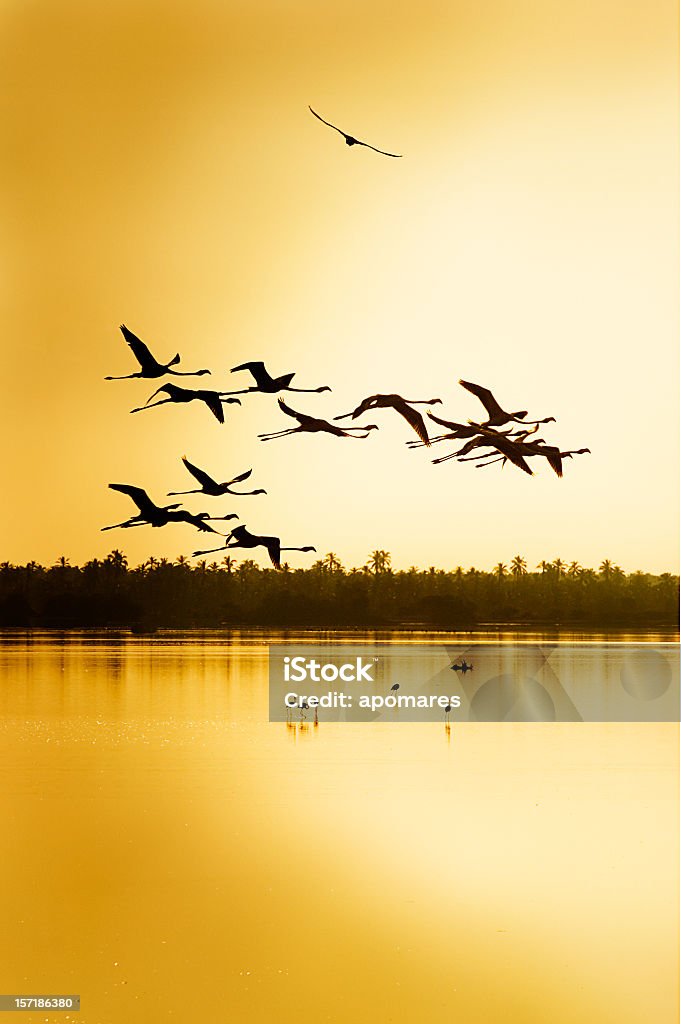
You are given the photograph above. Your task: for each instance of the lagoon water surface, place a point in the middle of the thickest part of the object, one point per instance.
(170, 854)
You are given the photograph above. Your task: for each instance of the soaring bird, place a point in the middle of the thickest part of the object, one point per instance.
(497, 416)
(211, 486)
(490, 439)
(269, 385)
(400, 405)
(457, 431)
(149, 366)
(154, 515)
(350, 140)
(242, 538)
(178, 395)
(198, 519)
(312, 425)
(553, 455)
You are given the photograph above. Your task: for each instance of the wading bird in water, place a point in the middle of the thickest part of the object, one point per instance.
(497, 416)
(242, 538)
(149, 366)
(211, 486)
(401, 406)
(154, 515)
(350, 140)
(178, 395)
(268, 385)
(312, 425)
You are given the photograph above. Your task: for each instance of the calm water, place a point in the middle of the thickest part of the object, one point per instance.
(169, 854)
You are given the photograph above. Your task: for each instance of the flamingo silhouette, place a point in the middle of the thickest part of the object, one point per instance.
(401, 406)
(149, 366)
(268, 385)
(211, 486)
(312, 425)
(243, 538)
(180, 396)
(151, 514)
(496, 416)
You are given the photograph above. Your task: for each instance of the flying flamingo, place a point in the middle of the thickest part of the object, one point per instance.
(401, 406)
(149, 366)
(154, 515)
(490, 439)
(244, 539)
(497, 416)
(179, 395)
(211, 486)
(553, 455)
(312, 425)
(268, 385)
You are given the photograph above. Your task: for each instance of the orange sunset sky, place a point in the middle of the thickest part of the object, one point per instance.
(161, 169)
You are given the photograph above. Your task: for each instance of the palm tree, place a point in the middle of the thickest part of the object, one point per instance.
(379, 561)
(182, 561)
(62, 562)
(230, 564)
(519, 566)
(117, 560)
(332, 562)
(559, 565)
(605, 568)
(500, 570)
(574, 570)
(545, 567)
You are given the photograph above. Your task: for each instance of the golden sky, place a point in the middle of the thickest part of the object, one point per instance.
(161, 169)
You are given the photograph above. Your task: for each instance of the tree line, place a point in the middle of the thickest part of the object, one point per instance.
(162, 593)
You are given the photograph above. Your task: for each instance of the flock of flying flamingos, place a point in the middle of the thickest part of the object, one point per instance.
(485, 443)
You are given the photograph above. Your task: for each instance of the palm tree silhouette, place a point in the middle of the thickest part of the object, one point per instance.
(379, 561)
(519, 566)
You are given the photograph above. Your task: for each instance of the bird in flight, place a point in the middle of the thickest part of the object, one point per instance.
(312, 425)
(350, 140)
(151, 514)
(178, 395)
(267, 384)
(400, 405)
(211, 486)
(497, 416)
(457, 431)
(553, 455)
(490, 439)
(242, 538)
(149, 366)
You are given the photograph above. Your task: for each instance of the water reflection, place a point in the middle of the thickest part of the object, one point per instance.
(159, 835)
